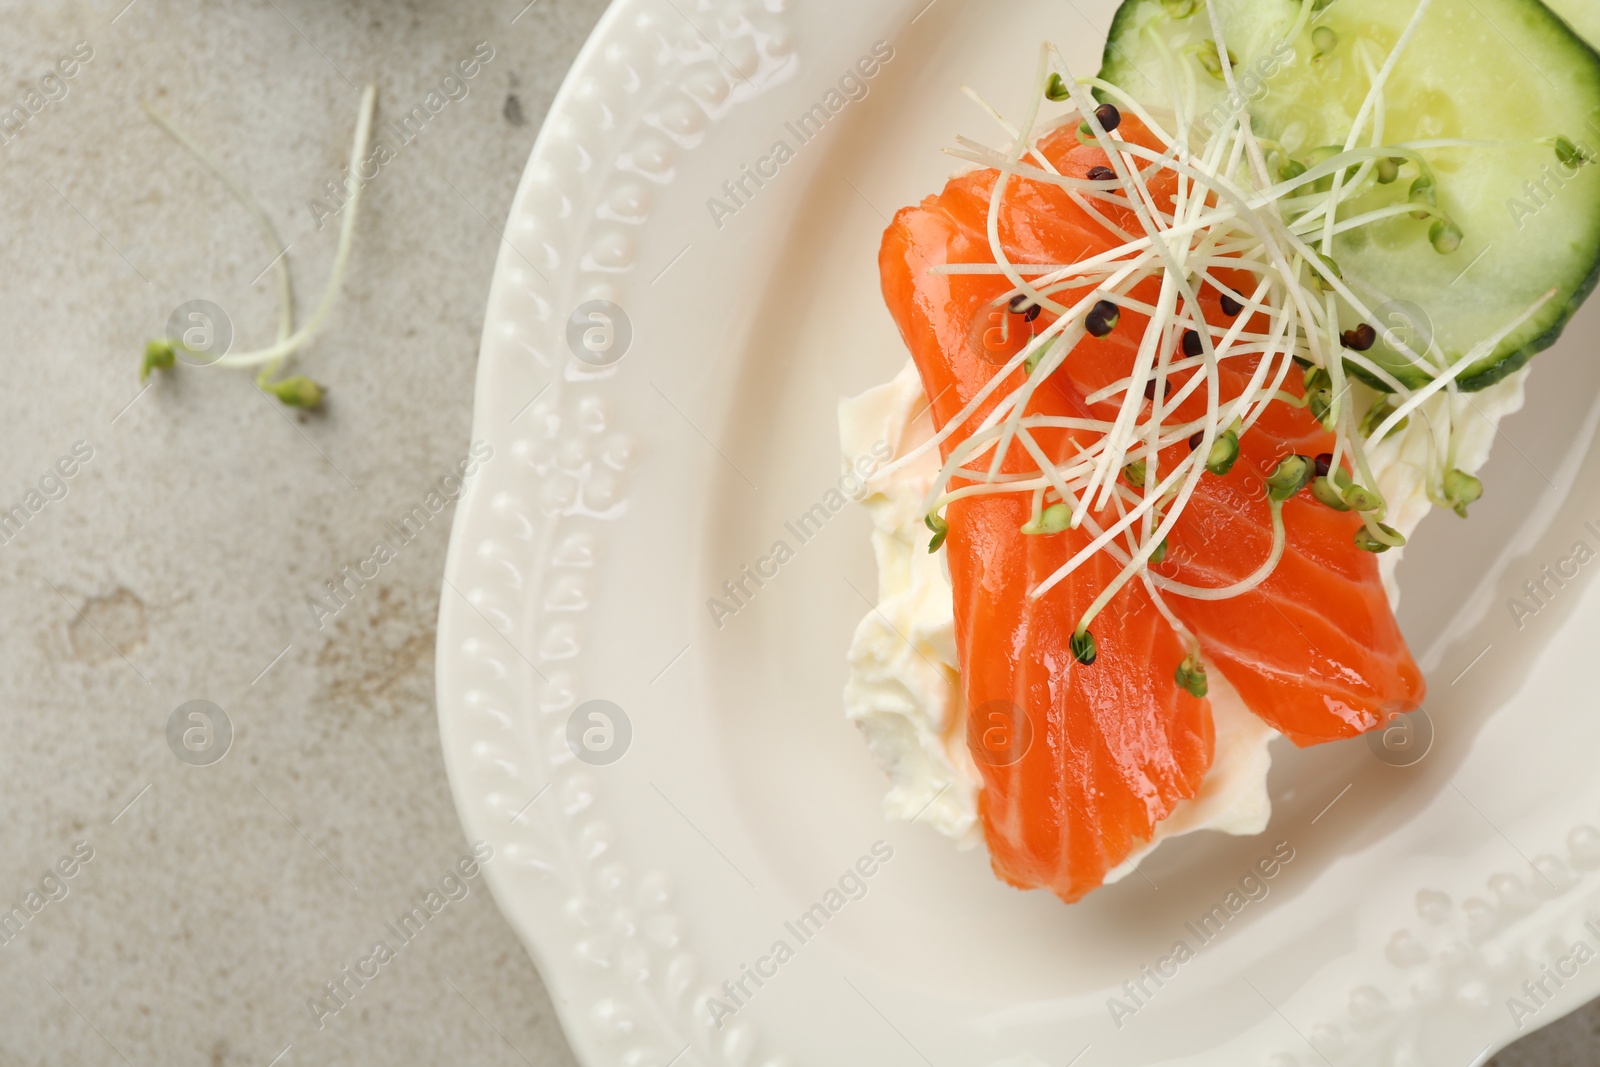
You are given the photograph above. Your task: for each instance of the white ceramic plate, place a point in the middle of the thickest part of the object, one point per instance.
(620, 497)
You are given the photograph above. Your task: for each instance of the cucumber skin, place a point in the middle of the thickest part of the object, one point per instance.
(1110, 66)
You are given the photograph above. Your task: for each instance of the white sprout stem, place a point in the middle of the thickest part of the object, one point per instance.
(251, 204)
(347, 228)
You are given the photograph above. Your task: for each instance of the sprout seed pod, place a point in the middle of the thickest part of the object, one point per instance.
(1135, 473)
(1361, 498)
(940, 528)
(1101, 174)
(1422, 192)
(1320, 279)
(1211, 59)
(1192, 345)
(1291, 170)
(1375, 416)
(1292, 474)
(1571, 155)
(1320, 403)
(158, 355)
(1179, 9)
(1324, 40)
(1191, 676)
(1387, 170)
(1056, 89)
(1368, 543)
(1323, 489)
(1160, 553)
(1230, 306)
(1083, 647)
(1224, 454)
(296, 392)
(1461, 489)
(1108, 116)
(1445, 236)
(1052, 520)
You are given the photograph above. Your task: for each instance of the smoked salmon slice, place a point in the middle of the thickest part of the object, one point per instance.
(1080, 762)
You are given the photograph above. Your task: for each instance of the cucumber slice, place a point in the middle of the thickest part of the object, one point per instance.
(1505, 71)
(1582, 15)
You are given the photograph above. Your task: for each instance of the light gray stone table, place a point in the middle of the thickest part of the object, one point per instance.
(176, 562)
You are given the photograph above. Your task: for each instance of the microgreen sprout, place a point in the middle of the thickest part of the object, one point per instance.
(1191, 676)
(1324, 40)
(1224, 454)
(1292, 474)
(158, 355)
(1375, 416)
(1263, 237)
(1052, 520)
(1422, 192)
(940, 528)
(297, 391)
(1211, 58)
(1326, 492)
(1386, 538)
(1461, 489)
(1571, 155)
(1445, 236)
(1360, 498)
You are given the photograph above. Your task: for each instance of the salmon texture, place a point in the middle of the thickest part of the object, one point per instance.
(1081, 761)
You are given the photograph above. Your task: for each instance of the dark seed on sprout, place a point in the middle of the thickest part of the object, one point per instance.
(1324, 462)
(1361, 338)
(1150, 389)
(1230, 306)
(1192, 345)
(1101, 174)
(1021, 304)
(1056, 88)
(1110, 118)
(1102, 318)
(1195, 439)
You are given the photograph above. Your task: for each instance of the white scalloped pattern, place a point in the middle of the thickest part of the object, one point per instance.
(539, 521)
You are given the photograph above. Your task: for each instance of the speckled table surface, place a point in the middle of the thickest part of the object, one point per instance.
(208, 904)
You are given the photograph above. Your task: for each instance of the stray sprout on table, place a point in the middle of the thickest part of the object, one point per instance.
(1243, 205)
(297, 390)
